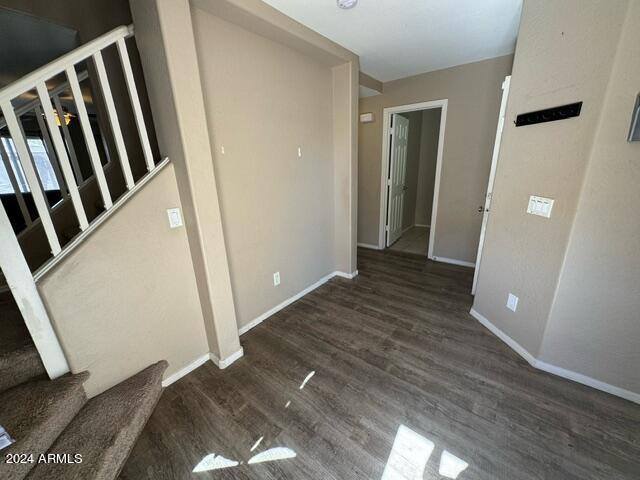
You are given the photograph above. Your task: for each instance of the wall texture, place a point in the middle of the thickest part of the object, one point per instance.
(594, 324)
(277, 208)
(564, 54)
(427, 171)
(123, 300)
(474, 92)
(577, 272)
(164, 32)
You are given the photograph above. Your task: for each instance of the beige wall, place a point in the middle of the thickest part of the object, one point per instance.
(413, 166)
(564, 54)
(473, 92)
(281, 212)
(345, 163)
(277, 208)
(164, 33)
(594, 324)
(123, 300)
(427, 171)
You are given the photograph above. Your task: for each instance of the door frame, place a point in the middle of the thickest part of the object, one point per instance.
(386, 147)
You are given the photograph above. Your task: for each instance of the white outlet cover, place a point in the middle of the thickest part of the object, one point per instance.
(175, 217)
(299, 152)
(276, 279)
(512, 302)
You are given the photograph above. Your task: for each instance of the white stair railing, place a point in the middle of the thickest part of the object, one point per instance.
(57, 140)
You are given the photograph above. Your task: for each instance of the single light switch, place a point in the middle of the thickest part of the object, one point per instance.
(512, 302)
(540, 206)
(175, 218)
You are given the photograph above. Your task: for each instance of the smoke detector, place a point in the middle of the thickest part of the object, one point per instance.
(346, 4)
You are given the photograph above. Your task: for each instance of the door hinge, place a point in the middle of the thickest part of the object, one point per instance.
(388, 182)
(386, 228)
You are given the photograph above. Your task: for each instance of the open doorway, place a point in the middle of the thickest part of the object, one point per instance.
(413, 136)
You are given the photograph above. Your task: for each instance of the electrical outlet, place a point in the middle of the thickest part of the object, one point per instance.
(512, 302)
(299, 152)
(276, 279)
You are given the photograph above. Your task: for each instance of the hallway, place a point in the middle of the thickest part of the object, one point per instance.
(415, 240)
(395, 356)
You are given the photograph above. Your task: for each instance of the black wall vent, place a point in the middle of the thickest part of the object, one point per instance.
(549, 114)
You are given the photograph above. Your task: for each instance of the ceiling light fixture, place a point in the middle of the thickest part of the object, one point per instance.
(346, 4)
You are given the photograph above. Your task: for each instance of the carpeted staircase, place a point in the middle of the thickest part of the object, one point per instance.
(60, 433)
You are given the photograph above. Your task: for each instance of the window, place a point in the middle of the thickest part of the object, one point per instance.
(40, 159)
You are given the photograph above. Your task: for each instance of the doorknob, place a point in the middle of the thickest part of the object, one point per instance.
(481, 209)
(405, 188)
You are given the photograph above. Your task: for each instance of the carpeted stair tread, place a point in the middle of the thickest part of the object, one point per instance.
(34, 414)
(19, 366)
(19, 359)
(106, 429)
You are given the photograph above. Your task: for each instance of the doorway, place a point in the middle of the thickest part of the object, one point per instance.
(413, 137)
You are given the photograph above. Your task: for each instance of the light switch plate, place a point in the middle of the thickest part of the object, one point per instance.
(366, 117)
(512, 302)
(540, 206)
(175, 218)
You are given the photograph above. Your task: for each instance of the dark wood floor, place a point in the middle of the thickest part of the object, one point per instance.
(396, 346)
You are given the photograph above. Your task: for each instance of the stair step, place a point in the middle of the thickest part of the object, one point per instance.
(34, 414)
(19, 359)
(20, 366)
(106, 429)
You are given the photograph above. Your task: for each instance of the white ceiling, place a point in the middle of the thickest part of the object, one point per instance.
(400, 38)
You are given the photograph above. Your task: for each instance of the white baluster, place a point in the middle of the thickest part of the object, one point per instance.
(88, 137)
(50, 151)
(15, 130)
(135, 103)
(15, 185)
(63, 158)
(113, 119)
(67, 139)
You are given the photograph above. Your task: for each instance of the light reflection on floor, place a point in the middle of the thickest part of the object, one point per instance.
(410, 454)
(408, 458)
(450, 465)
(278, 453)
(217, 462)
(214, 462)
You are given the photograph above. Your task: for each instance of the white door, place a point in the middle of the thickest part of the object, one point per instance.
(492, 175)
(397, 176)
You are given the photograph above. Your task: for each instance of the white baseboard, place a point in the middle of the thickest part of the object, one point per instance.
(350, 276)
(201, 361)
(422, 225)
(225, 362)
(453, 261)
(369, 246)
(186, 370)
(559, 371)
(258, 320)
(520, 350)
(590, 382)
